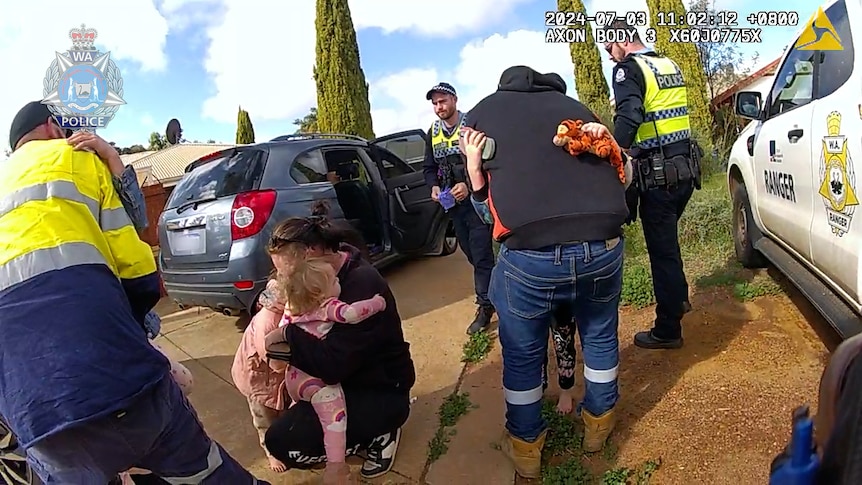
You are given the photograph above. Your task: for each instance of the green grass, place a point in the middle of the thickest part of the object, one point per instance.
(451, 410)
(705, 242)
(565, 462)
(477, 347)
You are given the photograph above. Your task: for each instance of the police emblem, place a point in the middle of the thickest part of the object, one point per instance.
(837, 177)
(83, 87)
(620, 76)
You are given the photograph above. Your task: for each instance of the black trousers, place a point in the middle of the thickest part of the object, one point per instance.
(296, 438)
(474, 237)
(660, 211)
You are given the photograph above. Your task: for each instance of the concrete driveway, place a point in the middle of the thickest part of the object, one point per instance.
(435, 300)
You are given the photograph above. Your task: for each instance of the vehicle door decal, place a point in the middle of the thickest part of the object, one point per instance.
(837, 177)
(774, 155)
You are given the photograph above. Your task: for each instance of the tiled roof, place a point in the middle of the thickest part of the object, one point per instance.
(170, 163)
(133, 157)
(727, 95)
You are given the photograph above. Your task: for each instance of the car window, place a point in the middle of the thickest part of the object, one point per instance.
(794, 83)
(410, 148)
(836, 66)
(392, 165)
(309, 168)
(345, 164)
(234, 172)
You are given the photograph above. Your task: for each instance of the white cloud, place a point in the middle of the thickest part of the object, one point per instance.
(265, 62)
(147, 122)
(30, 50)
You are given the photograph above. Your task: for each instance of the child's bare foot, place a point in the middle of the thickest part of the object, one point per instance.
(276, 465)
(564, 404)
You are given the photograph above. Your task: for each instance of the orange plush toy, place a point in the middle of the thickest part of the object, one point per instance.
(575, 141)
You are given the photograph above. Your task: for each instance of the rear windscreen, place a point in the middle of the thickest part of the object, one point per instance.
(235, 172)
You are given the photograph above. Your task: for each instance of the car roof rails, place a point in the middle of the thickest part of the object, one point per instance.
(318, 136)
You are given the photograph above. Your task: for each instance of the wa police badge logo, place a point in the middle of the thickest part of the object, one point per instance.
(83, 87)
(837, 177)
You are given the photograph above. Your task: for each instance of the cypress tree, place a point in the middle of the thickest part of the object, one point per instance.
(244, 128)
(342, 93)
(686, 56)
(589, 79)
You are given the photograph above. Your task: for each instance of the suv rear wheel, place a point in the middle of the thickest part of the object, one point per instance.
(744, 229)
(14, 469)
(450, 242)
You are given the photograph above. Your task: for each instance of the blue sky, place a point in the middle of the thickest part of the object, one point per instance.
(197, 60)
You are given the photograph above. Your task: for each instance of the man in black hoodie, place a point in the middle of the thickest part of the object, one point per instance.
(559, 220)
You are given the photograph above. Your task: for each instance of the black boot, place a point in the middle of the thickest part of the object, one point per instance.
(381, 455)
(646, 340)
(482, 320)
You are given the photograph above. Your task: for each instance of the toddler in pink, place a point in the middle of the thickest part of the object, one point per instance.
(312, 291)
(262, 385)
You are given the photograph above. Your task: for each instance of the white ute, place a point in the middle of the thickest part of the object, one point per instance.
(792, 172)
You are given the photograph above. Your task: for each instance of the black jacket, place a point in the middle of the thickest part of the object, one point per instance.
(370, 355)
(540, 195)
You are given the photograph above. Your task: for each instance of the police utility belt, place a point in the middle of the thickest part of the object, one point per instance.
(658, 171)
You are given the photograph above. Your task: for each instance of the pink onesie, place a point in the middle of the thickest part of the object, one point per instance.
(327, 401)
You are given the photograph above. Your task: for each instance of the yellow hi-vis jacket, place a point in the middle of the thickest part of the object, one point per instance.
(58, 208)
(665, 103)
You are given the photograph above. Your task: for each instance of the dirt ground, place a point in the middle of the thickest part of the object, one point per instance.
(714, 412)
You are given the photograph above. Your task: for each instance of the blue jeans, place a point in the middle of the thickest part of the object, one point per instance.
(526, 289)
(160, 433)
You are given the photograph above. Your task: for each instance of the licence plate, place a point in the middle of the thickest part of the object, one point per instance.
(188, 242)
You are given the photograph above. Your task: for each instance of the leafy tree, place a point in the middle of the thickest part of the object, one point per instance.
(157, 141)
(342, 92)
(723, 62)
(308, 123)
(687, 57)
(589, 78)
(244, 128)
(211, 141)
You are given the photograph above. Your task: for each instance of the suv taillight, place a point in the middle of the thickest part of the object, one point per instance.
(250, 212)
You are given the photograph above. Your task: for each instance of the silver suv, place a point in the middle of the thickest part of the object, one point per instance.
(215, 225)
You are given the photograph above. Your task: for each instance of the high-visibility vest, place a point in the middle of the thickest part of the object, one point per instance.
(442, 145)
(58, 208)
(665, 103)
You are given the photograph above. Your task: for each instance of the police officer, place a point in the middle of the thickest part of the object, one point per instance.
(444, 171)
(652, 122)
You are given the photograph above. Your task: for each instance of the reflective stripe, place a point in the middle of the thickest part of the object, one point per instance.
(664, 114)
(214, 460)
(443, 146)
(522, 398)
(32, 264)
(113, 219)
(601, 376)
(666, 139)
(61, 189)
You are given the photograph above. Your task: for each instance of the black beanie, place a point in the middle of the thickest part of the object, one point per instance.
(32, 115)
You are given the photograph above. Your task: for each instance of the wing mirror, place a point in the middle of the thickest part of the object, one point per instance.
(748, 104)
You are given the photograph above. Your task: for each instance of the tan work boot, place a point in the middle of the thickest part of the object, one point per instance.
(527, 457)
(597, 429)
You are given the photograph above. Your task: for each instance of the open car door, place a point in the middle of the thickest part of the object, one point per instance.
(412, 212)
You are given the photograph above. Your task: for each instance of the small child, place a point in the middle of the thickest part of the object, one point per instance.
(262, 385)
(311, 292)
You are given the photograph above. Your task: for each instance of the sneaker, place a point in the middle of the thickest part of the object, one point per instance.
(482, 319)
(646, 340)
(381, 455)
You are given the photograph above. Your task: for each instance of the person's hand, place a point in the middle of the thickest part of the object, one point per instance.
(460, 191)
(435, 193)
(596, 130)
(86, 141)
(474, 143)
(336, 474)
(277, 347)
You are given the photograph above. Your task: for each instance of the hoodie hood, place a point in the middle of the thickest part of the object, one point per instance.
(525, 79)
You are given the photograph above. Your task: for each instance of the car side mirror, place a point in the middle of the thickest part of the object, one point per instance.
(748, 104)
